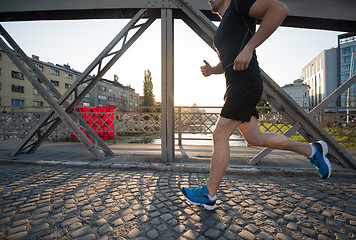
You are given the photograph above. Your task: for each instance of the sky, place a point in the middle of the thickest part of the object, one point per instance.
(77, 43)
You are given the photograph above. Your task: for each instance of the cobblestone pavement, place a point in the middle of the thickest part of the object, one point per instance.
(38, 202)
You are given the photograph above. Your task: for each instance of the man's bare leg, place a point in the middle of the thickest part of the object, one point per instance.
(254, 137)
(252, 134)
(206, 195)
(316, 151)
(221, 152)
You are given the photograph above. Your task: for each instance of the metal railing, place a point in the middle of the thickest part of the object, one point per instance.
(191, 123)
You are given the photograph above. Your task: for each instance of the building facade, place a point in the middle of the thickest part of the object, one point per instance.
(110, 93)
(16, 91)
(299, 92)
(330, 69)
(321, 76)
(347, 67)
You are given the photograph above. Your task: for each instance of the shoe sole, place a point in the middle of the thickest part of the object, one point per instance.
(325, 150)
(207, 207)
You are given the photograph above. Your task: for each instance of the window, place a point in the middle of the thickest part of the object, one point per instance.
(102, 97)
(55, 83)
(86, 104)
(68, 85)
(40, 67)
(19, 89)
(38, 104)
(345, 68)
(88, 95)
(69, 76)
(35, 92)
(17, 75)
(54, 72)
(345, 50)
(298, 95)
(102, 88)
(346, 59)
(17, 102)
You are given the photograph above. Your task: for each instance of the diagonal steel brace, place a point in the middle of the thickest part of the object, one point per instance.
(83, 78)
(58, 110)
(50, 88)
(322, 105)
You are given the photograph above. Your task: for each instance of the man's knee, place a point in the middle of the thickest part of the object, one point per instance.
(220, 135)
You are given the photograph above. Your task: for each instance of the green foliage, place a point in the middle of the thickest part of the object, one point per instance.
(343, 136)
(116, 78)
(148, 96)
(263, 103)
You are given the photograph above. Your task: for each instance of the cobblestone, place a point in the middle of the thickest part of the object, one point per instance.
(39, 202)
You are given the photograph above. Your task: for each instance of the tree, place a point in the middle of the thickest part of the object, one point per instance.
(116, 78)
(148, 96)
(263, 103)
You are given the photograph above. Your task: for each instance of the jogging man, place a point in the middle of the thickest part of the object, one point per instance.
(236, 40)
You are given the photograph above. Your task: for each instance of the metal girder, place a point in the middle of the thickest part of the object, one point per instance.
(282, 102)
(310, 115)
(56, 107)
(318, 14)
(167, 107)
(29, 70)
(310, 129)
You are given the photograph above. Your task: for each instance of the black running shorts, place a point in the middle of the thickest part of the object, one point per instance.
(243, 92)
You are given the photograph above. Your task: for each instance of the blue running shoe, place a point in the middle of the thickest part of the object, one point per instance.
(320, 160)
(199, 196)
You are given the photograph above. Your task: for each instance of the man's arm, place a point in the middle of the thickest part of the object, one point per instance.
(208, 70)
(272, 13)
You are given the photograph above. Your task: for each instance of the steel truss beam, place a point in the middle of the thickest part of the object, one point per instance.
(298, 127)
(37, 79)
(336, 15)
(63, 111)
(278, 98)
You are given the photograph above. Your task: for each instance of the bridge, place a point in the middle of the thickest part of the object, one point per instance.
(318, 14)
(336, 15)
